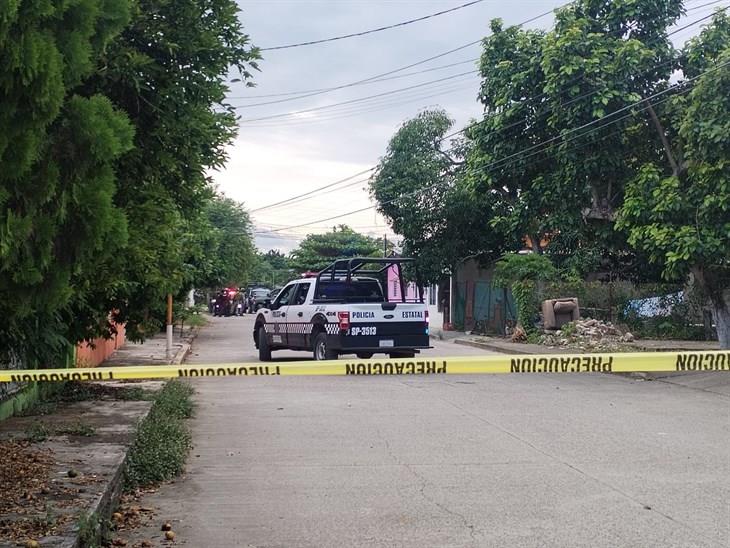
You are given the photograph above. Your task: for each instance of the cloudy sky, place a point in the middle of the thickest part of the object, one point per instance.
(285, 148)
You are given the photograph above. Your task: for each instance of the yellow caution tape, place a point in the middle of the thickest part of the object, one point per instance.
(577, 363)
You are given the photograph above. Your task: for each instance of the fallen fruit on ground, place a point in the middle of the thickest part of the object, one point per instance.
(167, 526)
(169, 535)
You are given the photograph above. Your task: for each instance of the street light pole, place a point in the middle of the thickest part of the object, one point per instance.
(168, 346)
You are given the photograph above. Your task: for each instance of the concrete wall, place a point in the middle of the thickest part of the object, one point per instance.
(26, 395)
(91, 354)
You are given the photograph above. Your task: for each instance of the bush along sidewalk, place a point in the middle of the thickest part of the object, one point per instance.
(163, 439)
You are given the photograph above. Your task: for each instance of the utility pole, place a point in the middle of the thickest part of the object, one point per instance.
(168, 347)
(385, 245)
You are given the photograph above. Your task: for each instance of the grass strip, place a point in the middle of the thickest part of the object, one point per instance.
(163, 439)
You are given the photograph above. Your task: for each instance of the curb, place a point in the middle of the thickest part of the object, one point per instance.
(100, 511)
(492, 347)
(181, 354)
(186, 347)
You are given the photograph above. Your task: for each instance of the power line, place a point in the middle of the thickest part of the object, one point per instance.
(466, 128)
(269, 206)
(358, 100)
(377, 78)
(364, 105)
(703, 5)
(382, 75)
(371, 31)
(550, 141)
(578, 79)
(318, 194)
(373, 106)
(312, 92)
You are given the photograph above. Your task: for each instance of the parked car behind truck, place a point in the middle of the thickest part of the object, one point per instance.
(344, 310)
(257, 298)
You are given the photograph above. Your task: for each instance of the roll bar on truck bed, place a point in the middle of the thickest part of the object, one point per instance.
(344, 270)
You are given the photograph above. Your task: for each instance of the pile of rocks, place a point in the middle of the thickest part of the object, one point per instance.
(589, 334)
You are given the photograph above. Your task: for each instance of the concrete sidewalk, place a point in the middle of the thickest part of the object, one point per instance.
(153, 350)
(82, 443)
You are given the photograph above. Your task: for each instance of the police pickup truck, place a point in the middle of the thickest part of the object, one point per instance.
(345, 309)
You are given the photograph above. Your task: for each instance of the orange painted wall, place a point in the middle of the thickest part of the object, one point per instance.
(91, 355)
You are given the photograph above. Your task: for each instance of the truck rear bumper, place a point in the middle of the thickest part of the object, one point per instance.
(383, 344)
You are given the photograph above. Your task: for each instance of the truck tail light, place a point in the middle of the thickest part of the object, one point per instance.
(344, 320)
(426, 316)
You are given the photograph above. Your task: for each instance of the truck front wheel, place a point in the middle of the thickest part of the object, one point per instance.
(322, 350)
(264, 348)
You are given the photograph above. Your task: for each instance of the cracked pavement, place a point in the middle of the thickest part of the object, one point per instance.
(584, 460)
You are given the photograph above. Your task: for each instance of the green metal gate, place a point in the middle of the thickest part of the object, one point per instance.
(483, 307)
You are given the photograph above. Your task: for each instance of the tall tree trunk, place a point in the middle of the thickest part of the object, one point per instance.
(719, 296)
(721, 314)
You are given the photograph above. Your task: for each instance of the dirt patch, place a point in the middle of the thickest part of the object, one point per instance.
(25, 487)
(63, 481)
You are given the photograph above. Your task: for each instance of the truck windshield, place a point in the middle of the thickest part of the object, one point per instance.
(365, 290)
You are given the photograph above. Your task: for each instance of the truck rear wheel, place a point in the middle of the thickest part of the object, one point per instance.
(322, 350)
(264, 348)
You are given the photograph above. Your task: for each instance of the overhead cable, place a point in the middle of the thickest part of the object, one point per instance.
(372, 31)
(537, 97)
(549, 141)
(312, 92)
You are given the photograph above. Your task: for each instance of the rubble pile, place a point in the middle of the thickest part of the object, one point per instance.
(589, 334)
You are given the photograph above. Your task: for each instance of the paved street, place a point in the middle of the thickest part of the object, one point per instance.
(472, 461)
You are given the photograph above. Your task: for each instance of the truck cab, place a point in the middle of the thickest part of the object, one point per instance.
(344, 309)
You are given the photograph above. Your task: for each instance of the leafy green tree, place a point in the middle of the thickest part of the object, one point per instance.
(168, 71)
(523, 274)
(418, 188)
(272, 268)
(317, 251)
(678, 210)
(601, 58)
(518, 193)
(221, 245)
(58, 147)
(540, 163)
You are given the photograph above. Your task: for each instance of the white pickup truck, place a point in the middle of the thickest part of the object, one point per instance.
(345, 309)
